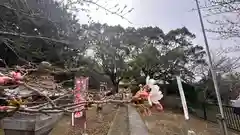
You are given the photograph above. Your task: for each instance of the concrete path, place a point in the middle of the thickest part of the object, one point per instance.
(136, 124)
(120, 123)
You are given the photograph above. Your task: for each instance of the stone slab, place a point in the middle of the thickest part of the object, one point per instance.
(136, 124)
(21, 124)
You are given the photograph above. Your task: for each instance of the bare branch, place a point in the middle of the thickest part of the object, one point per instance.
(112, 12)
(42, 105)
(228, 12)
(34, 37)
(40, 93)
(64, 108)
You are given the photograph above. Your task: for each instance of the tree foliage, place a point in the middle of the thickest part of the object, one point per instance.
(167, 55)
(134, 53)
(35, 31)
(225, 67)
(47, 29)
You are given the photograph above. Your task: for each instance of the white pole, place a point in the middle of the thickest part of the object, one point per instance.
(212, 70)
(183, 99)
(185, 108)
(72, 119)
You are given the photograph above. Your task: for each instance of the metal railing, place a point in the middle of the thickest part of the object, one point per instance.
(209, 111)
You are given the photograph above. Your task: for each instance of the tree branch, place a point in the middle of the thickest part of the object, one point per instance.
(34, 37)
(40, 93)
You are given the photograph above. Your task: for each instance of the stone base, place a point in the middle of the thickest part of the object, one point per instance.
(23, 124)
(19, 132)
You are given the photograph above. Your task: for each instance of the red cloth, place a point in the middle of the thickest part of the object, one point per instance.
(5, 79)
(3, 108)
(16, 77)
(142, 94)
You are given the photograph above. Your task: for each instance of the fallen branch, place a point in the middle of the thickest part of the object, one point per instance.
(42, 105)
(8, 87)
(97, 102)
(65, 108)
(67, 71)
(55, 72)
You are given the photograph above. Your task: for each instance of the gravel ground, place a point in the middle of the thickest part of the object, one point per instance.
(94, 126)
(169, 123)
(120, 123)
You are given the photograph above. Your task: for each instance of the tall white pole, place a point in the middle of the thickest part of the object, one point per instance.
(183, 99)
(185, 108)
(212, 70)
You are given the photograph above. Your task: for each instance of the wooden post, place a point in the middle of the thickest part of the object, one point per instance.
(79, 116)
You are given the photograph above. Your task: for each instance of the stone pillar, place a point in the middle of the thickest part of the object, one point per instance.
(34, 124)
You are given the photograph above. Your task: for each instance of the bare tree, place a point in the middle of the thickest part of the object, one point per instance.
(225, 16)
(225, 66)
(223, 63)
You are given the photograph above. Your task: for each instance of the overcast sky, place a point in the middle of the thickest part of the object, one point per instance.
(166, 14)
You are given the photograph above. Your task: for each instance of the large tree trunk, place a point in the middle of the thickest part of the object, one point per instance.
(115, 82)
(116, 87)
(164, 89)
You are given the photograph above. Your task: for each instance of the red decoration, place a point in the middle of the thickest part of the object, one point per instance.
(16, 76)
(14, 79)
(5, 79)
(3, 108)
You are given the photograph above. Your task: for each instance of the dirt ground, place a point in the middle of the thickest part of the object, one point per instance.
(94, 126)
(164, 123)
(169, 123)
